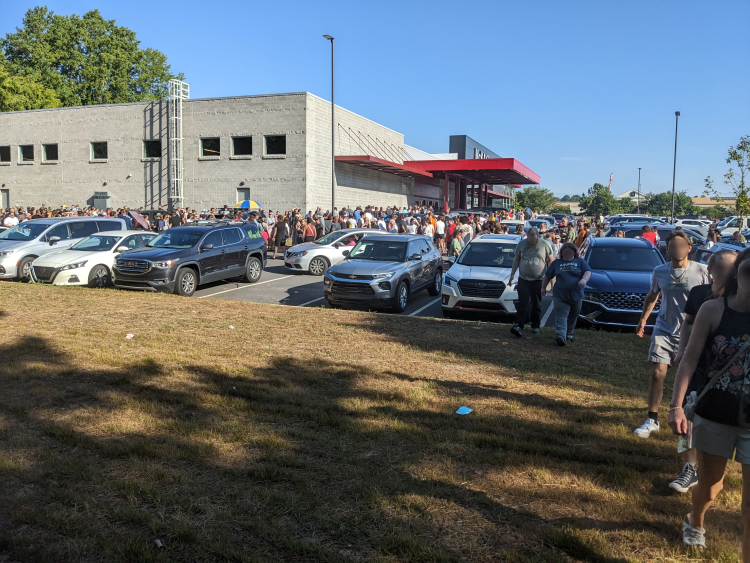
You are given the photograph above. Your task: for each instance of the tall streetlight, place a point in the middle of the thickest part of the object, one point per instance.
(333, 132)
(674, 169)
(638, 194)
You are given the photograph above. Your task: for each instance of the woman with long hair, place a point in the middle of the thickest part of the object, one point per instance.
(716, 365)
(711, 239)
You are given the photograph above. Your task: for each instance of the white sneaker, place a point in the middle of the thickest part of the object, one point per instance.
(645, 429)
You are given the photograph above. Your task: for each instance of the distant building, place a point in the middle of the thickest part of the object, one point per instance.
(632, 194)
(706, 202)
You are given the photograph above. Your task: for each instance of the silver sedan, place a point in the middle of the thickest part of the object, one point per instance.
(316, 257)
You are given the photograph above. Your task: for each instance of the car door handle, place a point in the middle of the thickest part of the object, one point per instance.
(223, 251)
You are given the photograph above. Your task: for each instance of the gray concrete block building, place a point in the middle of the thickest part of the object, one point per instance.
(275, 149)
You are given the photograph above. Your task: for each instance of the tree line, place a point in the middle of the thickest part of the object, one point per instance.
(61, 61)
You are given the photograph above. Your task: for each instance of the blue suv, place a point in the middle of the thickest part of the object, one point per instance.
(620, 280)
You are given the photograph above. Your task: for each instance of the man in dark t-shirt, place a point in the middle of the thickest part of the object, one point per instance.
(175, 220)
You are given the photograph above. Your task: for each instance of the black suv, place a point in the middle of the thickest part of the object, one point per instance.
(182, 258)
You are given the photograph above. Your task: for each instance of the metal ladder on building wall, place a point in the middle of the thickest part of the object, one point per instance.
(178, 91)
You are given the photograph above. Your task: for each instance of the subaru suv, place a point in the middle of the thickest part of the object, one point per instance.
(477, 282)
(182, 258)
(383, 271)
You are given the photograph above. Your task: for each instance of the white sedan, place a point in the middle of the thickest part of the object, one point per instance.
(89, 261)
(316, 257)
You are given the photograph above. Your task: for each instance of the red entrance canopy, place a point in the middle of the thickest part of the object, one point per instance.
(481, 170)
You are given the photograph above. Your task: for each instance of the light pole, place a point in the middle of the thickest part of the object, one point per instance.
(333, 132)
(674, 169)
(638, 193)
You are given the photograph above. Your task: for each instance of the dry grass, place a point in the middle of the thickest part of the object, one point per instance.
(310, 435)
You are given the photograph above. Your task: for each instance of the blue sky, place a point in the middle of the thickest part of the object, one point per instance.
(571, 89)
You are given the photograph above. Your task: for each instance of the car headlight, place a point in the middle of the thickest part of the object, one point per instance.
(449, 279)
(385, 276)
(74, 266)
(162, 265)
(7, 252)
(592, 297)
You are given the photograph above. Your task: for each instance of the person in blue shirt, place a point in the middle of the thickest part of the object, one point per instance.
(572, 273)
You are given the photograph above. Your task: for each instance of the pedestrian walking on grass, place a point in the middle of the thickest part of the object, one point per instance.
(571, 273)
(672, 281)
(717, 359)
(533, 255)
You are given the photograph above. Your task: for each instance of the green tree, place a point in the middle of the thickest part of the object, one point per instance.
(560, 209)
(535, 197)
(86, 59)
(740, 156)
(18, 93)
(599, 200)
(565, 198)
(717, 212)
(661, 204)
(575, 198)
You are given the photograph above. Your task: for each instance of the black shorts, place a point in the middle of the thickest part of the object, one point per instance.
(440, 236)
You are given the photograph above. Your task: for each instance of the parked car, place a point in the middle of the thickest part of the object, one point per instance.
(513, 224)
(182, 258)
(702, 255)
(27, 241)
(634, 231)
(316, 257)
(89, 261)
(538, 224)
(615, 221)
(477, 282)
(732, 225)
(621, 271)
(694, 225)
(384, 271)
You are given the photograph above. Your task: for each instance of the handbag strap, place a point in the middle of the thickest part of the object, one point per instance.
(716, 377)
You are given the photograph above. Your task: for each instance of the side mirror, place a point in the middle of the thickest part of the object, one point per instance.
(121, 249)
(207, 246)
(345, 253)
(415, 257)
(53, 240)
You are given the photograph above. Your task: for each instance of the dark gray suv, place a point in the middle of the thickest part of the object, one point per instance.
(383, 271)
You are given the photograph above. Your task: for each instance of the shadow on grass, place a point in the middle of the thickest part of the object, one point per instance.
(294, 461)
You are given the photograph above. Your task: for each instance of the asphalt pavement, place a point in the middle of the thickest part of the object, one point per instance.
(280, 286)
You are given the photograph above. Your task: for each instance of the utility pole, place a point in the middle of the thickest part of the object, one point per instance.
(674, 169)
(333, 131)
(638, 193)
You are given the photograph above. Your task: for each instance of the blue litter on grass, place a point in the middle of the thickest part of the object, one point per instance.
(463, 410)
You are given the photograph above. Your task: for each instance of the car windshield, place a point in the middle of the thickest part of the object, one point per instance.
(330, 237)
(24, 231)
(177, 238)
(488, 255)
(379, 250)
(623, 259)
(96, 243)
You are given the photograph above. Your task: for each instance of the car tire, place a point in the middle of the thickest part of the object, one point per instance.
(318, 266)
(99, 276)
(437, 283)
(253, 270)
(24, 269)
(401, 298)
(186, 282)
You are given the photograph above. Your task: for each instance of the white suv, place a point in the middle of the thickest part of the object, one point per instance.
(477, 282)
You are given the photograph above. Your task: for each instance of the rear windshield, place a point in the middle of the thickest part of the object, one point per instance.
(623, 259)
(25, 231)
(488, 255)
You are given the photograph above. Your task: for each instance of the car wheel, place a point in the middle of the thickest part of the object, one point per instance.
(402, 297)
(24, 269)
(186, 282)
(99, 277)
(318, 266)
(437, 283)
(254, 270)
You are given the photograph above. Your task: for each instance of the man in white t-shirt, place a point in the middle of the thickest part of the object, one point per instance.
(11, 220)
(440, 233)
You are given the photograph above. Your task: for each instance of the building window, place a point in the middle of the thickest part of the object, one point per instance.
(210, 147)
(275, 144)
(99, 151)
(243, 194)
(26, 153)
(152, 149)
(49, 152)
(242, 146)
(5, 154)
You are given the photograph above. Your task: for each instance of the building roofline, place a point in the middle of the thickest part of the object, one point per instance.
(358, 115)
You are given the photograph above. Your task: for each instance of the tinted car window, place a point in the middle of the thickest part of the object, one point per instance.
(177, 238)
(488, 255)
(59, 231)
(424, 247)
(109, 225)
(380, 250)
(81, 229)
(231, 236)
(624, 259)
(252, 230)
(213, 238)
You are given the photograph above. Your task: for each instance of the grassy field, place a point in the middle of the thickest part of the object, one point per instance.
(320, 435)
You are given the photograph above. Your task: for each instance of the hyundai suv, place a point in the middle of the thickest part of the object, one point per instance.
(182, 258)
(383, 271)
(477, 283)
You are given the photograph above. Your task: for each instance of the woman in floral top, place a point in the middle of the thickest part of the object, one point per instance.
(721, 428)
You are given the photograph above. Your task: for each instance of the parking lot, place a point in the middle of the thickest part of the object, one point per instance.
(280, 286)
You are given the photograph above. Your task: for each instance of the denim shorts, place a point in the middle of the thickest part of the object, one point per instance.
(722, 440)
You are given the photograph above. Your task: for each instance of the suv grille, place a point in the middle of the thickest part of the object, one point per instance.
(349, 288)
(481, 288)
(42, 273)
(625, 301)
(133, 266)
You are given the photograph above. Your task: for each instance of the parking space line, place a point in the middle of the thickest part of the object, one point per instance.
(244, 286)
(547, 313)
(313, 301)
(425, 307)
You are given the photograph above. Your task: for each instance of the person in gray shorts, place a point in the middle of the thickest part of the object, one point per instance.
(672, 281)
